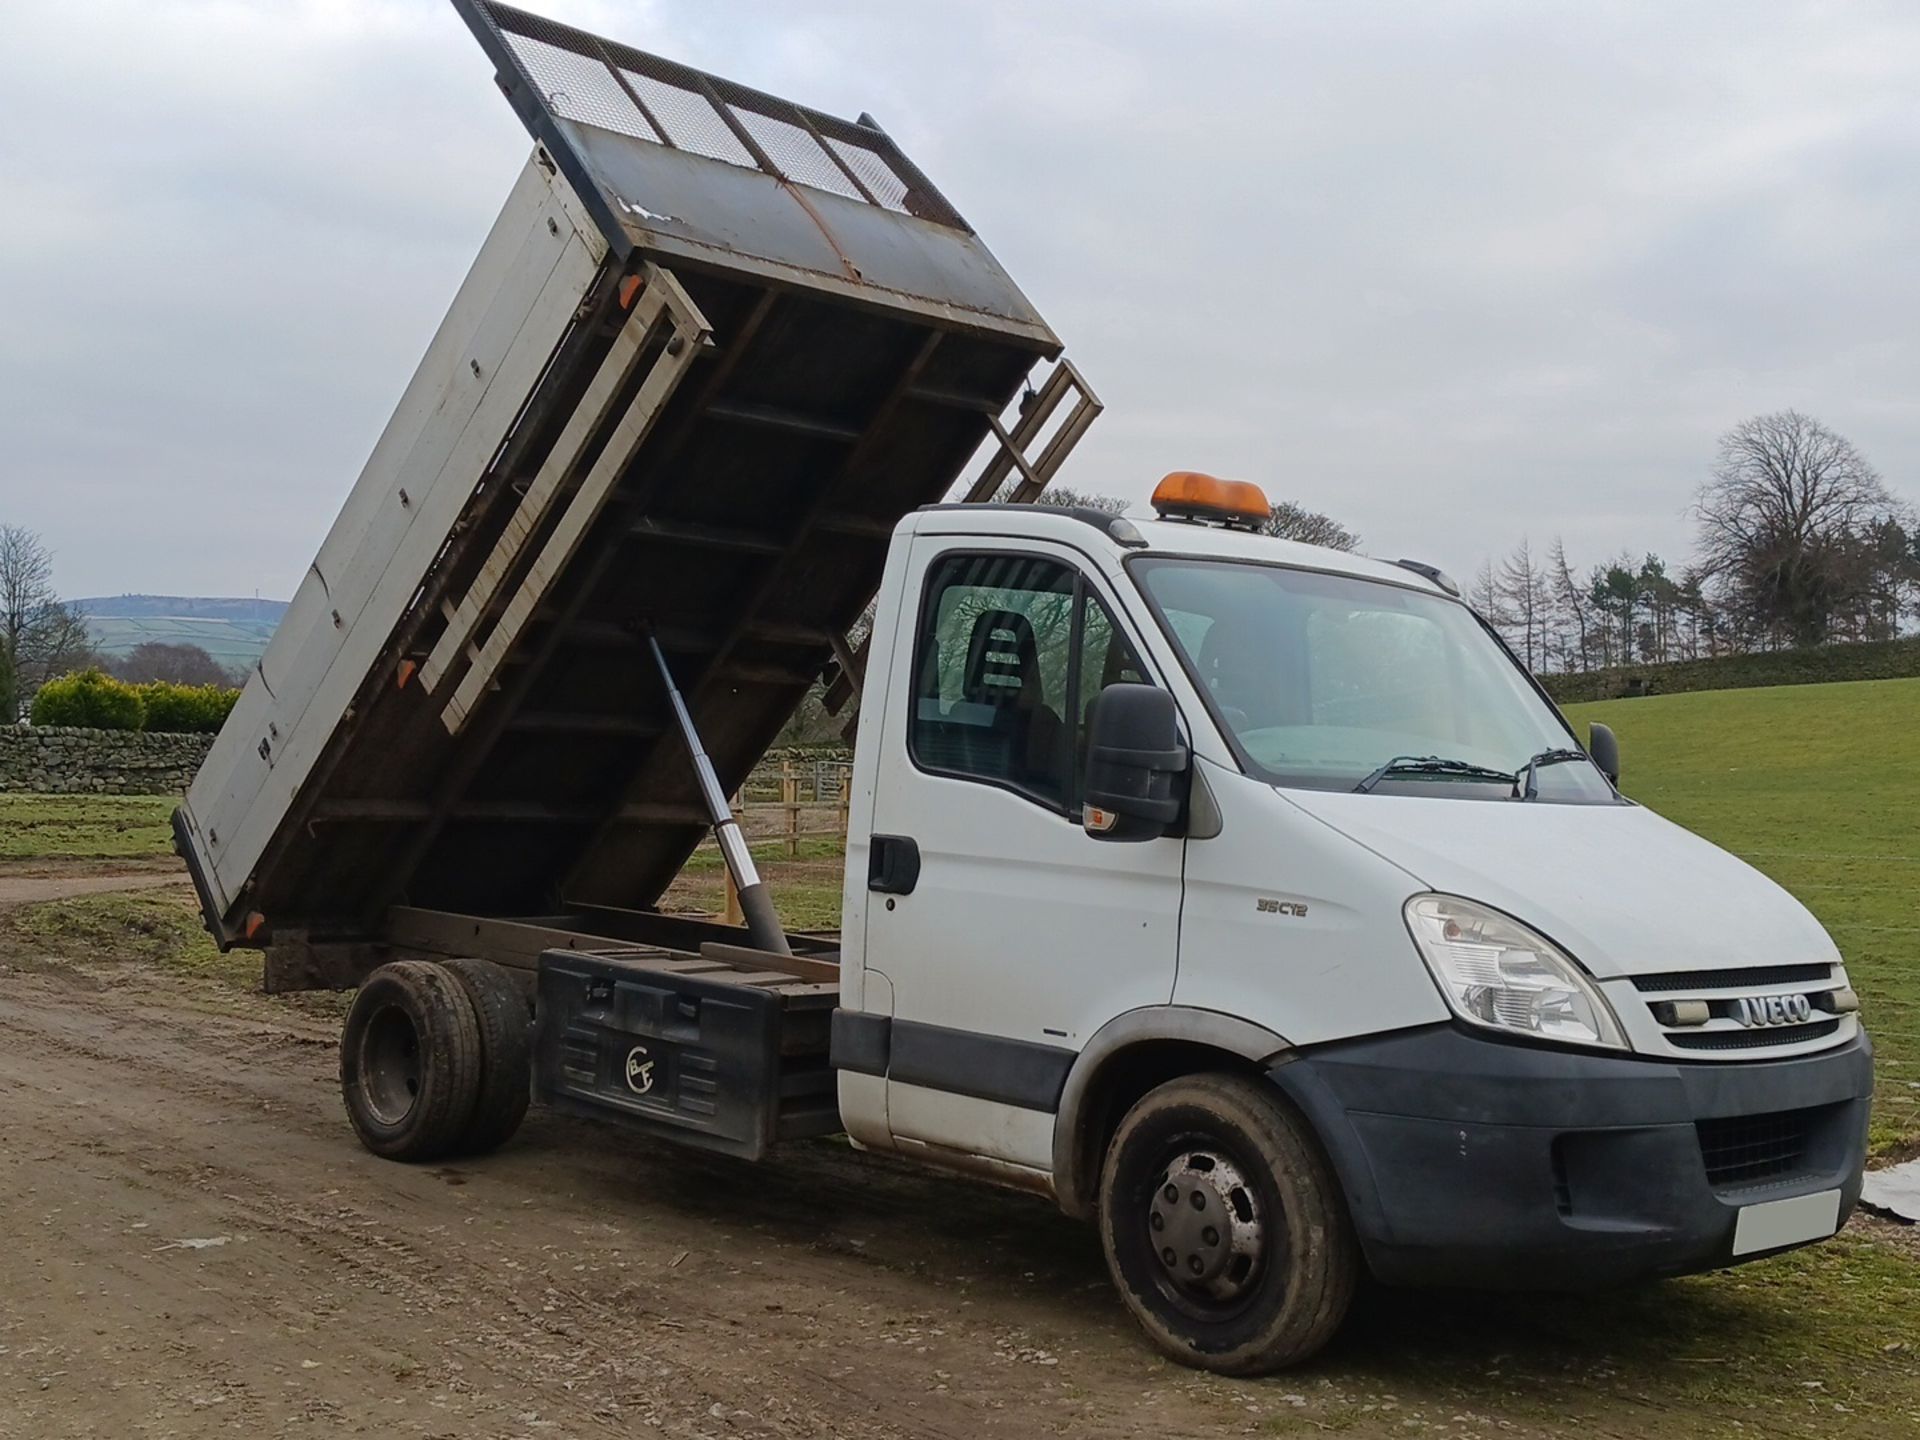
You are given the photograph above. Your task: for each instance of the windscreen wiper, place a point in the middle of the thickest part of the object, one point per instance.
(1559, 755)
(1435, 765)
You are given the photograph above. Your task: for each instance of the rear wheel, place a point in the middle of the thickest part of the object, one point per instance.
(506, 1072)
(1224, 1227)
(410, 1061)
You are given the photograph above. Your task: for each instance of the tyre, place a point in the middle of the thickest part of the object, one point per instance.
(410, 1061)
(1224, 1228)
(506, 1064)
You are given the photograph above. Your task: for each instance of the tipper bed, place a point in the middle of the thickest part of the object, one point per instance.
(715, 346)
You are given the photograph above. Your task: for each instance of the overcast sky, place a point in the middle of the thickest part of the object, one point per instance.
(1452, 272)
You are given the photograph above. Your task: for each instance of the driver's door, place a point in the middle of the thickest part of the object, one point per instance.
(1020, 934)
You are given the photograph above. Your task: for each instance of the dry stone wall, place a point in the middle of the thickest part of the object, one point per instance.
(61, 760)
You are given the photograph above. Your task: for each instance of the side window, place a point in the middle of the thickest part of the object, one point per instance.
(1011, 651)
(992, 672)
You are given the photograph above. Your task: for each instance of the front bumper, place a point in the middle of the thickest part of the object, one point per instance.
(1472, 1162)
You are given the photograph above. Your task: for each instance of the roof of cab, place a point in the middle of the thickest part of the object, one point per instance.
(1162, 537)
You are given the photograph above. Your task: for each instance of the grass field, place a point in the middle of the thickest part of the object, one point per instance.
(1812, 784)
(84, 827)
(806, 888)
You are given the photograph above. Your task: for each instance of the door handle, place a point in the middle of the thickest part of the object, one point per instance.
(893, 864)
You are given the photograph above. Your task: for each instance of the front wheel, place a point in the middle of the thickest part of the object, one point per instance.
(1224, 1227)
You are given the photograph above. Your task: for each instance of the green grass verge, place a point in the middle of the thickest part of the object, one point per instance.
(804, 902)
(1811, 784)
(84, 827)
(805, 887)
(1820, 665)
(706, 861)
(160, 930)
(1819, 1342)
(157, 929)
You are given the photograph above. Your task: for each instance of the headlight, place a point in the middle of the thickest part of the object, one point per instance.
(1496, 972)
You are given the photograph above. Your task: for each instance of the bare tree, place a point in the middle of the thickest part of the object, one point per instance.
(39, 636)
(1522, 586)
(1484, 596)
(1788, 502)
(26, 589)
(62, 641)
(1571, 603)
(1064, 499)
(182, 664)
(1295, 522)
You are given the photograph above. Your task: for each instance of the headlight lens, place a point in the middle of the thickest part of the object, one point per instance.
(1496, 972)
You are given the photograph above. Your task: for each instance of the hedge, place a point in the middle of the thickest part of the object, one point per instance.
(90, 699)
(1879, 660)
(186, 709)
(100, 702)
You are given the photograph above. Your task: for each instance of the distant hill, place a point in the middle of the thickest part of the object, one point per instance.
(234, 631)
(182, 607)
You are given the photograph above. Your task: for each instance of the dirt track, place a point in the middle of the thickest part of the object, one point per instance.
(17, 888)
(191, 1243)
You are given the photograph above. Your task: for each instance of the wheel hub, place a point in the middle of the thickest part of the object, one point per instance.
(1205, 1226)
(390, 1066)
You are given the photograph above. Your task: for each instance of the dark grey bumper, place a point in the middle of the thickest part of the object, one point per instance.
(1471, 1162)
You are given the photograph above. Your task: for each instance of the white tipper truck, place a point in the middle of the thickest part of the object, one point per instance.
(1248, 899)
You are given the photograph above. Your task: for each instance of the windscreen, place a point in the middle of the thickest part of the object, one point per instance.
(1321, 680)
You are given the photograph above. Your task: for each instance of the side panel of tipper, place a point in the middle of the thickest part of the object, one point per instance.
(534, 271)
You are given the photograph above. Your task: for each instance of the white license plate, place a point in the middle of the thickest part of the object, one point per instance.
(1786, 1222)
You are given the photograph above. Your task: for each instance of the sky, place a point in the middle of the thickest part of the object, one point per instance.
(1455, 273)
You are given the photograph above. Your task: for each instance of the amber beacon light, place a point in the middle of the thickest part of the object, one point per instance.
(1190, 495)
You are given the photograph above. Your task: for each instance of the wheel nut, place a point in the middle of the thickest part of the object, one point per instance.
(1157, 1221)
(1167, 1258)
(1172, 1194)
(1193, 1264)
(1210, 1235)
(1199, 1201)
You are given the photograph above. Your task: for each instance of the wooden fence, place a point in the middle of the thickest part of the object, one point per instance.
(793, 799)
(789, 800)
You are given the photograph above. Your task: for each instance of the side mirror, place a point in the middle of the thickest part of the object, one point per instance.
(1136, 764)
(1605, 751)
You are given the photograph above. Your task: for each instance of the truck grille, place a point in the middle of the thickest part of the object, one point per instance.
(1732, 979)
(1743, 1151)
(1752, 1039)
(1767, 1011)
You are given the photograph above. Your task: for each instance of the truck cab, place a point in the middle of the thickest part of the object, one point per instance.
(1527, 1032)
